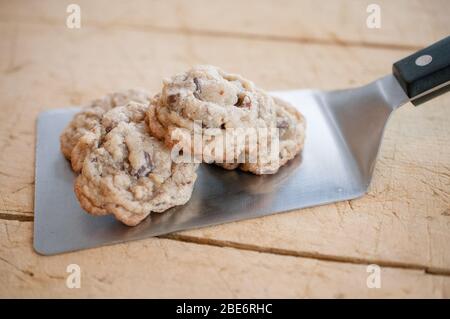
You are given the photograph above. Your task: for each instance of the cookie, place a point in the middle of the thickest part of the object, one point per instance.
(133, 112)
(222, 107)
(290, 135)
(131, 175)
(84, 130)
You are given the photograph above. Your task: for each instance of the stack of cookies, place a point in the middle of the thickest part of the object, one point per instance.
(136, 153)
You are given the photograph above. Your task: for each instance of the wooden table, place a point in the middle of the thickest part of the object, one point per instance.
(402, 224)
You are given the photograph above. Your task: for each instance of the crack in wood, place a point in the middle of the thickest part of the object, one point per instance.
(24, 271)
(239, 35)
(309, 255)
(17, 217)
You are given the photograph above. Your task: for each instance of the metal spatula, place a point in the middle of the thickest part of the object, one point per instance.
(344, 132)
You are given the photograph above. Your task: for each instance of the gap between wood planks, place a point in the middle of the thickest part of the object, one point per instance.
(275, 251)
(226, 34)
(304, 254)
(17, 217)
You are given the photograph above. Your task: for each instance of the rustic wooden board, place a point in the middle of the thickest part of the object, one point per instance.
(404, 23)
(169, 268)
(402, 224)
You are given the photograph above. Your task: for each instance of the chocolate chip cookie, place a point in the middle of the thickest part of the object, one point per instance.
(85, 130)
(131, 174)
(223, 107)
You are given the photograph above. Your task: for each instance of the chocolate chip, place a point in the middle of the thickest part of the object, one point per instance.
(140, 172)
(108, 129)
(148, 158)
(244, 101)
(282, 124)
(101, 141)
(173, 98)
(147, 168)
(222, 126)
(198, 89)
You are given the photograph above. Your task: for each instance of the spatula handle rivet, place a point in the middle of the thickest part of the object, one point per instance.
(424, 60)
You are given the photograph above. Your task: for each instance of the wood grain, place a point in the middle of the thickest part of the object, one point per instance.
(172, 269)
(402, 224)
(404, 23)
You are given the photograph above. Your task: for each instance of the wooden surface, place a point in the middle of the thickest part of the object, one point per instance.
(402, 224)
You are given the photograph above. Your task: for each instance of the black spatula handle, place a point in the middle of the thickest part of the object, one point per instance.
(426, 73)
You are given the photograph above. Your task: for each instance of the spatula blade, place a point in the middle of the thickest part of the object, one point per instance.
(325, 172)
